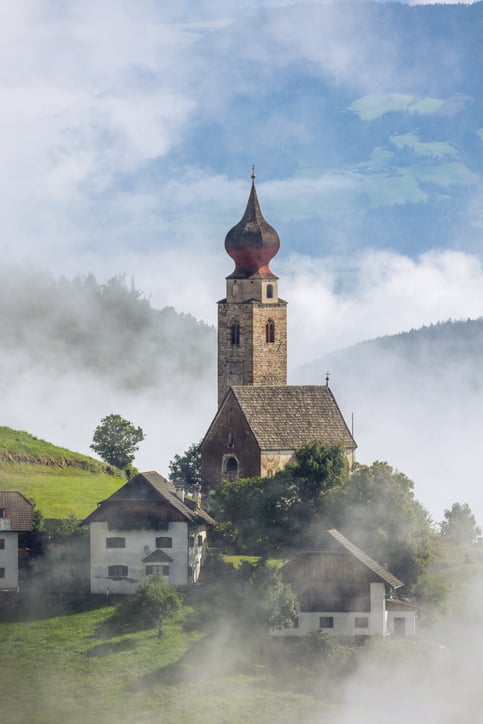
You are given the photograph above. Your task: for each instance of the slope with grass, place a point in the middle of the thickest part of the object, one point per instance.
(59, 481)
(72, 668)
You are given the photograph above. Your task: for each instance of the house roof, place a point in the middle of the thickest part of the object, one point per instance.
(147, 487)
(324, 543)
(286, 417)
(17, 510)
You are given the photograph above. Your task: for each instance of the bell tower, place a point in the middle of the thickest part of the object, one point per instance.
(252, 320)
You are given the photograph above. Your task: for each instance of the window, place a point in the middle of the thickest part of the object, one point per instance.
(151, 570)
(270, 331)
(2, 572)
(115, 542)
(231, 468)
(2, 544)
(326, 622)
(192, 541)
(117, 571)
(200, 540)
(361, 622)
(235, 333)
(269, 291)
(164, 542)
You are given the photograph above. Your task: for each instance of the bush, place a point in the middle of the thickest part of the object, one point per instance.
(152, 604)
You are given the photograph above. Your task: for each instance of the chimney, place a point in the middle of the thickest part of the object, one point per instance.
(180, 491)
(197, 494)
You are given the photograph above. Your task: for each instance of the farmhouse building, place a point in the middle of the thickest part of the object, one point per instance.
(15, 517)
(147, 526)
(345, 593)
(261, 420)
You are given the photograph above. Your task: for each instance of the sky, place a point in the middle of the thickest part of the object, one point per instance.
(112, 163)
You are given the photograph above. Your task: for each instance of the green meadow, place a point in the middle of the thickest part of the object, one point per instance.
(70, 669)
(59, 481)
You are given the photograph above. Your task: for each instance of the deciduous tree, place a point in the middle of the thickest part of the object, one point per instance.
(186, 468)
(377, 510)
(116, 440)
(459, 524)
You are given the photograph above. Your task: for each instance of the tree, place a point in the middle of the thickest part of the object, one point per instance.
(116, 440)
(262, 514)
(376, 509)
(152, 604)
(459, 524)
(318, 469)
(186, 468)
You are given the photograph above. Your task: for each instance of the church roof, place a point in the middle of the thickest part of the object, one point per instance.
(286, 417)
(252, 243)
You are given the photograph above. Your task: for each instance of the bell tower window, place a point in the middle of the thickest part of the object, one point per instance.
(270, 331)
(235, 333)
(269, 291)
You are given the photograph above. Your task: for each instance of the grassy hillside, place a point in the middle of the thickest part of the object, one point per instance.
(59, 481)
(65, 668)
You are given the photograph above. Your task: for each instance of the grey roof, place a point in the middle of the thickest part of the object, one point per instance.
(157, 556)
(375, 567)
(152, 486)
(17, 510)
(286, 417)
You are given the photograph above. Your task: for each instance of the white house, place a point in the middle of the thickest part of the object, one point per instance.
(15, 517)
(345, 593)
(147, 526)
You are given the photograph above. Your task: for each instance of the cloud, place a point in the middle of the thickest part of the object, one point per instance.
(333, 305)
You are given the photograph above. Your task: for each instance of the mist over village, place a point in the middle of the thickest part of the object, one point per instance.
(241, 292)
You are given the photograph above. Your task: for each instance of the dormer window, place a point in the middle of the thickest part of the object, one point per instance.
(235, 333)
(270, 331)
(269, 291)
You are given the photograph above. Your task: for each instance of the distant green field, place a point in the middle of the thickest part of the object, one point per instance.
(59, 481)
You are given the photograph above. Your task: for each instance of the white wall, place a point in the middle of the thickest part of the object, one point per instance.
(197, 553)
(344, 623)
(9, 559)
(137, 544)
(409, 618)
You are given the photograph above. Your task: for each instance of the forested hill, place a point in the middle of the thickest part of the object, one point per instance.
(109, 331)
(417, 399)
(451, 347)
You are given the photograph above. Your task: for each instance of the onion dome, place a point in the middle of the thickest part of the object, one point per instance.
(252, 243)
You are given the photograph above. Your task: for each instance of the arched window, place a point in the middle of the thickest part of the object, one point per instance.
(269, 291)
(270, 331)
(235, 333)
(231, 468)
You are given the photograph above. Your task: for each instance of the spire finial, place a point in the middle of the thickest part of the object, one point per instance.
(327, 375)
(253, 174)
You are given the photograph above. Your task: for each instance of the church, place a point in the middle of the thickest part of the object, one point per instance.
(261, 420)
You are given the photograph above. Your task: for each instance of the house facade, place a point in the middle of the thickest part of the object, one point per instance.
(261, 420)
(345, 593)
(148, 526)
(15, 518)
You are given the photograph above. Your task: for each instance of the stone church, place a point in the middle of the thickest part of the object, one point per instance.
(261, 420)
